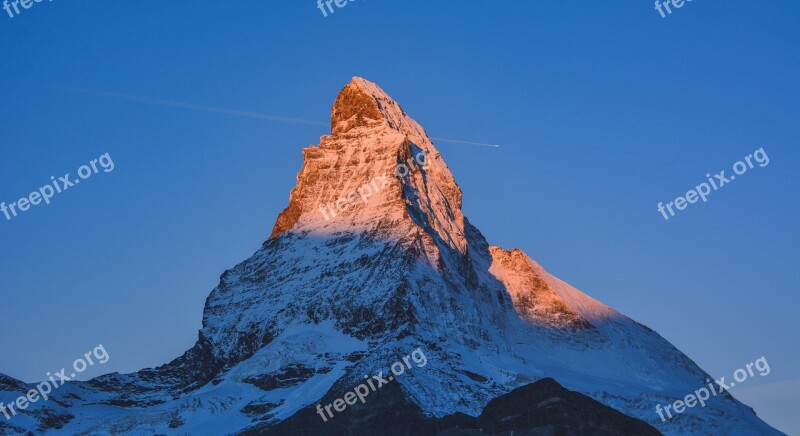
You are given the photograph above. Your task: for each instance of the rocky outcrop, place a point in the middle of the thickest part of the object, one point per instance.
(543, 408)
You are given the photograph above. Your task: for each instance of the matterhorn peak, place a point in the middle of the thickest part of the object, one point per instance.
(377, 171)
(362, 103)
(372, 261)
(357, 106)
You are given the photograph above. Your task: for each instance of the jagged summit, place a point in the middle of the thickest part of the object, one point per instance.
(376, 170)
(357, 106)
(362, 103)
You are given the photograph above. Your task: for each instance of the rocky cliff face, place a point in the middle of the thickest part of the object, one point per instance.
(373, 258)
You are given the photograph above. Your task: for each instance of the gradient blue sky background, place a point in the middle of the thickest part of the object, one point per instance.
(602, 111)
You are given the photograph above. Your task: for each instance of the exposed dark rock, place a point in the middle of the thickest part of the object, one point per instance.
(543, 408)
(286, 377)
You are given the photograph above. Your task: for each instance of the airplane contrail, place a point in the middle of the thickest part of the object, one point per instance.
(458, 141)
(226, 111)
(199, 107)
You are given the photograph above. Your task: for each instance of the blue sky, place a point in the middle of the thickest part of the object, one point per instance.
(602, 111)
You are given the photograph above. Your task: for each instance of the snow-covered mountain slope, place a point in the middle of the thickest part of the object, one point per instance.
(371, 260)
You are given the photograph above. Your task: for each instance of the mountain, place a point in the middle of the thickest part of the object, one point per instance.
(373, 265)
